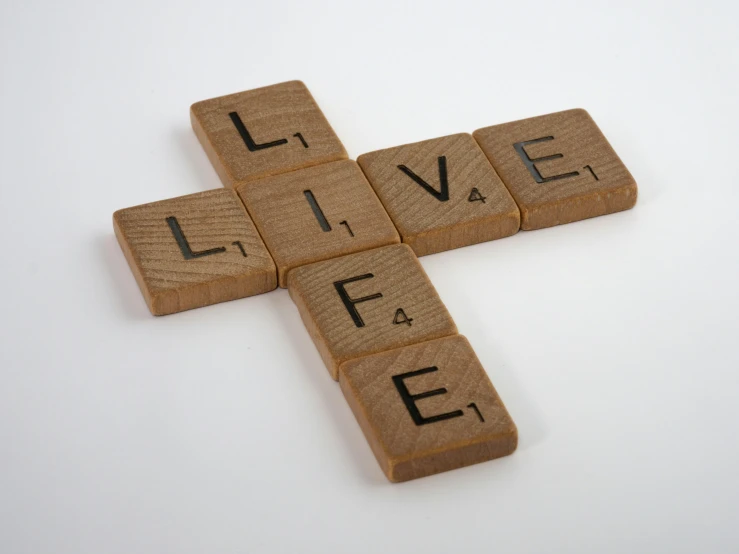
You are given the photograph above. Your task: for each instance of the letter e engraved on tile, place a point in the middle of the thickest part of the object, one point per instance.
(428, 407)
(559, 168)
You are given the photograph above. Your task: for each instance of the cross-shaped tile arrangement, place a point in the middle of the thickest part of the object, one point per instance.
(343, 237)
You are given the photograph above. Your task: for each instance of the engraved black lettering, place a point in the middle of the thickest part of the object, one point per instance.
(349, 303)
(300, 136)
(529, 162)
(246, 137)
(410, 399)
(477, 411)
(241, 247)
(591, 171)
(346, 224)
(475, 196)
(441, 195)
(187, 252)
(400, 317)
(323, 222)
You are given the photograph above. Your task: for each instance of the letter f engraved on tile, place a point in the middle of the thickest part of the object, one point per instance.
(529, 162)
(349, 303)
(441, 195)
(410, 399)
(187, 252)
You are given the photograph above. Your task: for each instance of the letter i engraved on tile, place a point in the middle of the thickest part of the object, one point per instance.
(316, 214)
(321, 218)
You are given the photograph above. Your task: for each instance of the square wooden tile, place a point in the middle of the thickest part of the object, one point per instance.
(427, 408)
(265, 131)
(317, 213)
(194, 251)
(441, 193)
(559, 168)
(367, 302)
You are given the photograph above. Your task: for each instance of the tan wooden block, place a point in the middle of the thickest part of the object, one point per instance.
(559, 168)
(441, 193)
(194, 251)
(316, 214)
(367, 302)
(427, 408)
(265, 131)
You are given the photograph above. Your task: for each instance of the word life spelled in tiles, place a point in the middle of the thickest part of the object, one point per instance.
(265, 131)
(559, 168)
(367, 302)
(441, 193)
(427, 408)
(194, 251)
(332, 229)
(316, 214)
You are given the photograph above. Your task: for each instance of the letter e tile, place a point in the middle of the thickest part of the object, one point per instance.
(427, 408)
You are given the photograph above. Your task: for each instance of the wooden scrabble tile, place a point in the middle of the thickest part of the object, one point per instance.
(367, 302)
(317, 213)
(427, 408)
(559, 168)
(194, 251)
(441, 193)
(265, 131)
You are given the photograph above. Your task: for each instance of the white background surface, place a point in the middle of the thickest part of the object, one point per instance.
(613, 341)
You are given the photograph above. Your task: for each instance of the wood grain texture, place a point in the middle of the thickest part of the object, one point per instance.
(450, 433)
(587, 180)
(429, 222)
(271, 115)
(209, 221)
(317, 213)
(392, 271)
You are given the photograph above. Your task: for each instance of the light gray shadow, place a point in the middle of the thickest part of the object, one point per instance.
(196, 158)
(122, 283)
(339, 412)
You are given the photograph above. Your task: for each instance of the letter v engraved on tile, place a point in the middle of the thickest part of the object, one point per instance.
(441, 195)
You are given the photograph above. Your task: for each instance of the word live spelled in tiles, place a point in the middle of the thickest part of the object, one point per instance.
(329, 229)
(442, 193)
(317, 213)
(427, 408)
